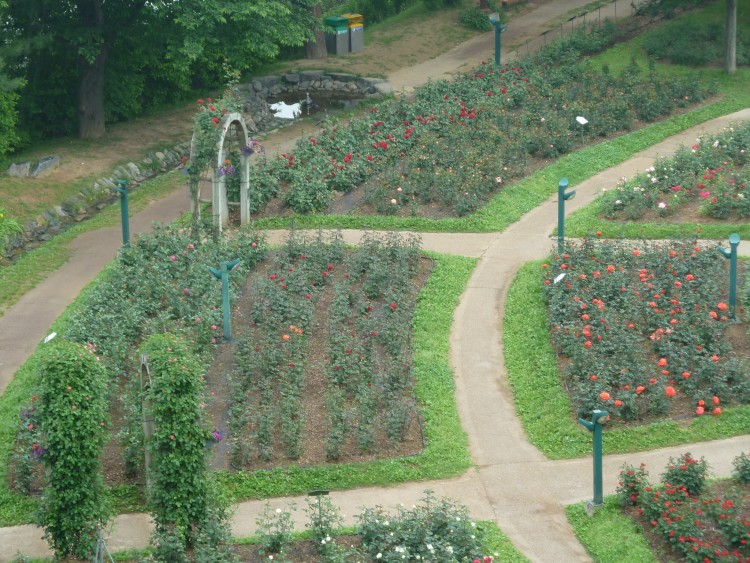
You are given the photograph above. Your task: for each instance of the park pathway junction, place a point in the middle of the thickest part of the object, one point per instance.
(511, 483)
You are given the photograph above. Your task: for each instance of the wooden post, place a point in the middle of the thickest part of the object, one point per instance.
(147, 408)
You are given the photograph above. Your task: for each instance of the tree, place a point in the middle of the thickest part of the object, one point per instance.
(90, 61)
(317, 49)
(730, 61)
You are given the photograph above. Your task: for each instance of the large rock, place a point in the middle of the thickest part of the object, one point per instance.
(311, 75)
(20, 169)
(383, 88)
(45, 164)
(341, 76)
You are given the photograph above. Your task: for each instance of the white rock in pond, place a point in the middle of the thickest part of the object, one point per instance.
(284, 111)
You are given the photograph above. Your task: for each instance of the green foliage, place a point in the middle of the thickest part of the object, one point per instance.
(742, 468)
(638, 332)
(439, 152)
(146, 54)
(9, 137)
(666, 8)
(473, 18)
(545, 409)
(698, 525)
(713, 171)
(324, 518)
(179, 494)
(632, 483)
(373, 11)
(73, 414)
(687, 472)
(434, 529)
(275, 529)
(8, 227)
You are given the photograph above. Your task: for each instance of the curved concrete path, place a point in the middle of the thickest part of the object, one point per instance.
(512, 483)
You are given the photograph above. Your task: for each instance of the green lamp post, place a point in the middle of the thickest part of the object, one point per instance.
(562, 197)
(734, 242)
(122, 189)
(595, 426)
(223, 275)
(494, 18)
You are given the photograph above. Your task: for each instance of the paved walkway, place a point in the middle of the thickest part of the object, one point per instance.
(512, 482)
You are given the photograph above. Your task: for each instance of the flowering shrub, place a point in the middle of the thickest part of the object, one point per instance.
(687, 472)
(73, 419)
(178, 491)
(643, 328)
(631, 485)
(433, 530)
(713, 172)
(742, 468)
(711, 527)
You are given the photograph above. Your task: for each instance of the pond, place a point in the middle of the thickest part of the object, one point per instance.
(316, 103)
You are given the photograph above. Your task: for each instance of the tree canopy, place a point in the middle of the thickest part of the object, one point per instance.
(87, 62)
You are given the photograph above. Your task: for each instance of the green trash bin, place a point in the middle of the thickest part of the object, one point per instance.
(337, 41)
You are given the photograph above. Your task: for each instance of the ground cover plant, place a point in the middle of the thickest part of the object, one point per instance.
(326, 365)
(644, 329)
(436, 155)
(686, 517)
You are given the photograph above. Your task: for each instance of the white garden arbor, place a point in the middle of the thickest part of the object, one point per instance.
(231, 127)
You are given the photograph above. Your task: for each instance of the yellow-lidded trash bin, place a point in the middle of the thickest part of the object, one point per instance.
(356, 24)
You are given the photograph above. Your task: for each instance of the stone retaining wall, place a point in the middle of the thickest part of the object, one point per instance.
(92, 199)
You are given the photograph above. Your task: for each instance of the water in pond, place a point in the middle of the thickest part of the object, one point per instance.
(315, 103)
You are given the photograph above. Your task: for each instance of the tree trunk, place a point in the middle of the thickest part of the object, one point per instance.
(91, 87)
(730, 61)
(91, 99)
(317, 49)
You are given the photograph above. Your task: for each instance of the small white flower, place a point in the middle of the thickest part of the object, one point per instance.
(379, 556)
(449, 549)
(716, 143)
(654, 180)
(662, 205)
(278, 511)
(618, 202)
(498, 180)
(393, 202)
(385, 523)
(473, 524)
(430, 548)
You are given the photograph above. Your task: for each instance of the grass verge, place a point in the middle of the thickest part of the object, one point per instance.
(544, 408)
(446, 449)
(609, 536)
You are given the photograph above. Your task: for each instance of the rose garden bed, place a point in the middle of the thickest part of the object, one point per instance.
(644, 329)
